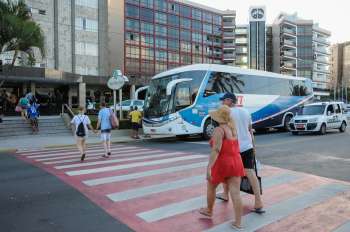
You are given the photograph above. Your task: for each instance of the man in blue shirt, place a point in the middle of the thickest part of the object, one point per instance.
(104, 123)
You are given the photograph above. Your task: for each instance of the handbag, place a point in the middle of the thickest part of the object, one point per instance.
(245, 184)
(18, 109)
(113, 119)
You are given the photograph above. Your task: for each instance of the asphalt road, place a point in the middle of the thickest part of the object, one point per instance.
(33, 200)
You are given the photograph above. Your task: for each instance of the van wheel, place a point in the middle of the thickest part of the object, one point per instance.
(342, 128)
(208, 129)
(323, 129)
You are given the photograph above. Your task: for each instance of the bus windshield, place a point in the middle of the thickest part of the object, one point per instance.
(313, 110)
(159, 104)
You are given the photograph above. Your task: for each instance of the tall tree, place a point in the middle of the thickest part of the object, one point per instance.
(18, 32)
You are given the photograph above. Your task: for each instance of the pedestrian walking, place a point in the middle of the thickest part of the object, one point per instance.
(23, 104)
(82, 123)
(225, 164)
(136, 117)
(106, 119)
(247, 149)
(33, 115)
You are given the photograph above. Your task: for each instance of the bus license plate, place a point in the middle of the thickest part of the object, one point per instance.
(153, 130)
(300, 126)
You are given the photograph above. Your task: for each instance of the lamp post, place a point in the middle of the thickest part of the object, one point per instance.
(116, 82)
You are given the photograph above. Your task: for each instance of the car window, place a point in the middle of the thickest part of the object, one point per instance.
(330, 108)
(337, 109)
(126, 103)
(138, 103)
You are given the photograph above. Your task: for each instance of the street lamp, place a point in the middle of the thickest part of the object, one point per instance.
(116, 82)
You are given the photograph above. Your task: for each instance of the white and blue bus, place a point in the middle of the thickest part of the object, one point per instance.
(178, 101)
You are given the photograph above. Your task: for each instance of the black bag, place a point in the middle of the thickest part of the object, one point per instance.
(245, 184)
(81, 129)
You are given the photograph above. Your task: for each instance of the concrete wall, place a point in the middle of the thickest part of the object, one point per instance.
(115, 35)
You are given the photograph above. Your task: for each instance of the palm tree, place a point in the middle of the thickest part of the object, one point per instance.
(18, 32)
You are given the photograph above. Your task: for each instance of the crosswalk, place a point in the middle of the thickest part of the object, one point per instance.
(152, 189)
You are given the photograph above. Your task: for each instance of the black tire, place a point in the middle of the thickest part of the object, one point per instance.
(287, 119)
(323, 129)
(342, 128)
(295, 132)
(208, 128)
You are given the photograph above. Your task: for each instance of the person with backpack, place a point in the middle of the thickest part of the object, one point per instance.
(106, 122)
(82, 123)
(33, 115)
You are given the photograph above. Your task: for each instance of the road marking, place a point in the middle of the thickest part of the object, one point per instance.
(197, 202)
(77, 152)
(99, 156)
(343, 228)
(90, 155)
(110, 161)
(201, 143)
(285, 208)
(111, 179)
(158, 188)
(133, 165)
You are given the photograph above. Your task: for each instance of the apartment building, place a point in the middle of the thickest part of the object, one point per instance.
(340, 69)
(257, 37)
(242, 46)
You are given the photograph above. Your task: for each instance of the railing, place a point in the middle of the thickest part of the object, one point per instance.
(288, 42)
(68, 110)
(289, 31)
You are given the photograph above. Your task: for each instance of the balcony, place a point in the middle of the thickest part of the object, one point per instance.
(289, 31)
(228, 24)
(229, 56)
(229, 34)
(289, 72)
(288, 65)
(241, 41)
(322, 50)
(241, 31)
(321, 40)
(322, 59)
(288, 43)
(288, 53)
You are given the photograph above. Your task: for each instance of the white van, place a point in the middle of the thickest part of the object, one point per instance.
(319, 117)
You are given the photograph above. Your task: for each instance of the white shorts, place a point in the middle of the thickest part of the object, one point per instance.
(105, 136)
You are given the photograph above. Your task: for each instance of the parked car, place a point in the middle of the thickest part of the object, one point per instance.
(126, 105)
(320, 117)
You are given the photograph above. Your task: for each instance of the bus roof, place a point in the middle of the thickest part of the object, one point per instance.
(223, 68)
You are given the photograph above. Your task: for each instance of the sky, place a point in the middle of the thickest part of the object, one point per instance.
(332, 15)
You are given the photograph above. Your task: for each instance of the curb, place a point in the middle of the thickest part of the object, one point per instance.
(8, 150)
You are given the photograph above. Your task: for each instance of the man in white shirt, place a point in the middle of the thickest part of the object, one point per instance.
(245, 134)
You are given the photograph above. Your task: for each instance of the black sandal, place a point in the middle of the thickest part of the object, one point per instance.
(82, 157)
(258, 210)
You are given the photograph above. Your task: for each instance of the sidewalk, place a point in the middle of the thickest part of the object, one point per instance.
(40, 141)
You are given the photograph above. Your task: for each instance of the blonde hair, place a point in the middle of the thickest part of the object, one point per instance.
(226, 116)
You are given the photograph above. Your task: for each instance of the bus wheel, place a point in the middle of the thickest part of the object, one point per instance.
(208, 129)
(287, 119)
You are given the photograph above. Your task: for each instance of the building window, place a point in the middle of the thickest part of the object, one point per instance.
(160, 5)
(161, 43)
(197, 14)
(147, 40)
(196, 25)
(185, 47)
(160, 67)
(87, 3)
(132, 52)
(185, 11)
(160, 18)
(216, 30)
(86, 24)
(146, 15)
(135, 2)
(197, 37)
(132, 65)
(173, 7)
(161, 30)
(132, 38)
(146, 3)
(161, 55)
(217, 19)
(173, 57)
(173, 44)
(173, 20)
(185, 35)
(147, 67)
(85, 70)
(133, 25)
(147, 53)
(173, 33)
(147, 28)
(207, 17)
(208, 28)
(132, 11)
(197, 49)
(185, 23)
(88, 49)
(197, 59)
(186, 59)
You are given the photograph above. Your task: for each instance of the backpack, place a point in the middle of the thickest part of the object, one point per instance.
(81, 129)
(32, 111)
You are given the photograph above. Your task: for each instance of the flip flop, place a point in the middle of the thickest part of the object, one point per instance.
(259, 210)
(220, 197)
(105, 156)
(236, 228)
(205, 212)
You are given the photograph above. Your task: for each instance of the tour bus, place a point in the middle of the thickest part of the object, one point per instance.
(178, 101)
